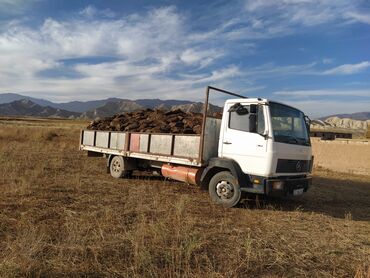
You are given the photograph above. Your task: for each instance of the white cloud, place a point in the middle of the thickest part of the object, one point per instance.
(323, 92)
(200, 57)
(323, 102)
(303, 12)
(265, 19)
(320, 108)
(326, 61)
(11, 7)
(147, 52)
(360, 17)
(91, 12)
(348, 68)
(271, 70)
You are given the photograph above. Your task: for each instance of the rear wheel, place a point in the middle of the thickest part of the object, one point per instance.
(224, 189)
(117, 168)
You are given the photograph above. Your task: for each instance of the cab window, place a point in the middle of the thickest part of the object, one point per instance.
(239, 121)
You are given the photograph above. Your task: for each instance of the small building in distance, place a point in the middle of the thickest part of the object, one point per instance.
(330, 135)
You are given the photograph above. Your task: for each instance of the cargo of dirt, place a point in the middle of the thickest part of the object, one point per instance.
(152, 121)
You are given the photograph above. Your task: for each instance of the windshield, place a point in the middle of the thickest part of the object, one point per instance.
(288, 125)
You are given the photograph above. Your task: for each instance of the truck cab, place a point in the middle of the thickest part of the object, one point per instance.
(269, 144)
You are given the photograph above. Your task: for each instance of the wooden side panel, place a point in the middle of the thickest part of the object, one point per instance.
(144, 141)
(186, 146)
(134, 142)
(117, 140)
(88, 138)
(161, 144)
(102, 139)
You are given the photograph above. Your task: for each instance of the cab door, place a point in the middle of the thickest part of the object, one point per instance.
(248, 149)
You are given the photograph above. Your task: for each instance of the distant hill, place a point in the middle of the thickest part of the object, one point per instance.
(10, 97)
(111, 108)
(337, 124)
(359, 121)
(83, 106)
(347, 123)
(26, 107)
(74, 106)
(360, 116)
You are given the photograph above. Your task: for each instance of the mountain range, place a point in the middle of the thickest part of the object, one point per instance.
(73, 106)
(359, 116)
(26, 107)
(20, 105)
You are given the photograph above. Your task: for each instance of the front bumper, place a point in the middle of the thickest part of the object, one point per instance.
(287, 186)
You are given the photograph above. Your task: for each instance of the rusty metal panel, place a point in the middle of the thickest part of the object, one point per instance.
(102, 139)
(88, 138)
(144, 140)
(134, 142)
(186, 174)
(161, 144)
(117, 140)
(186, 146)
(211, 137)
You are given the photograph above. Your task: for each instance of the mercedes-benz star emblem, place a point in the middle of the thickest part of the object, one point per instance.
(298, 166)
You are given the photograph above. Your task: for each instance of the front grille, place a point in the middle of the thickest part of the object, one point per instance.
(292, 166)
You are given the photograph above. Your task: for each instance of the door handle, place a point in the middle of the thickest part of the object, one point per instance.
(227, 143)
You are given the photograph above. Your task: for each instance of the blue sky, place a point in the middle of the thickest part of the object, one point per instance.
(313, 54)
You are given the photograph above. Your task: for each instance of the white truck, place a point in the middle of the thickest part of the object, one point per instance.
(259, 146)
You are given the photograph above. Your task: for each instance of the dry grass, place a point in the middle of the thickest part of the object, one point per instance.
(345, 156)
(62, 215)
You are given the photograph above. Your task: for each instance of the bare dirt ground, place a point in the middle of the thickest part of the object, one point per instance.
(62, 215)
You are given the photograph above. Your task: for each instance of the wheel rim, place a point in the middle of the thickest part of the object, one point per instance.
(116, 166)
(225, 190)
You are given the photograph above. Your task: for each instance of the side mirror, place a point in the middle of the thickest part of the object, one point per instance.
(308, 123)
(239, 109)
(253, 123)
(253, 109)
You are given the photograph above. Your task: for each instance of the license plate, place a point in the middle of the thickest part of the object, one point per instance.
(298, 191)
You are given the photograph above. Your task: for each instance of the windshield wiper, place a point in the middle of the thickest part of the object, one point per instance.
(304, 141)
(292, 138)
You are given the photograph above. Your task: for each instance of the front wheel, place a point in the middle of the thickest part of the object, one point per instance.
(224, 189)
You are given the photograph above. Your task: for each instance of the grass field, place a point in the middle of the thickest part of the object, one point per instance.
(62, 215)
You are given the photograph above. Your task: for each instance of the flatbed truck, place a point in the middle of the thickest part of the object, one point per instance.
(259, 146)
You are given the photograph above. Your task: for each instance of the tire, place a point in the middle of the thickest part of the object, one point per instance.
(224, 189)
(117, 168)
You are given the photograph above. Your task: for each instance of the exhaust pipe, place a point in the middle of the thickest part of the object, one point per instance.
(181, 173)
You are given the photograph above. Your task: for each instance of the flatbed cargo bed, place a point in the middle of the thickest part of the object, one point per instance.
(185, 149)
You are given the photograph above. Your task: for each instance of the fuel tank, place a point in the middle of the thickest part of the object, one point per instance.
(182, 173)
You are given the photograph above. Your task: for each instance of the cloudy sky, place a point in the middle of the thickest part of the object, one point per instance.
(314, 54)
